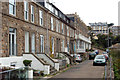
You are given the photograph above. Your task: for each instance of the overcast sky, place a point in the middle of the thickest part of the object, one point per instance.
(91, 11)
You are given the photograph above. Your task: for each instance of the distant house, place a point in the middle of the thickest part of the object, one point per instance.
(99, 28)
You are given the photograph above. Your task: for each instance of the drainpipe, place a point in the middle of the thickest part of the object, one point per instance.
(47, 34)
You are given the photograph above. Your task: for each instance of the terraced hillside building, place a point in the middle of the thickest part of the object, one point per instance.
(35, 31)
(115, 30)
(82, 38)
(28, 27)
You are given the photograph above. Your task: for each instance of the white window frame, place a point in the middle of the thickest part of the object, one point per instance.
(33, 43)
(57, 23)
(67, 31)
(32, 13)
(27, 42)
(10, 42)
(70, 32)
(52, 27)
(63, 46)
(59, 27)
(42, 43)
(56, 12)
(78, 43)
(68, 46)
(26, 10)
(41, 17)
(13, 4)
(52, 39)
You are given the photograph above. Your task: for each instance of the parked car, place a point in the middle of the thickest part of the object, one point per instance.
(106, 55)
(77, 57)
(96, 51)
(99, 60)
(92, 55)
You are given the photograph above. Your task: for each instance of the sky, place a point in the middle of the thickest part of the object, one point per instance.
(91, 11)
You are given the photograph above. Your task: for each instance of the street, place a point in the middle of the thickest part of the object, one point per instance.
(84, 70)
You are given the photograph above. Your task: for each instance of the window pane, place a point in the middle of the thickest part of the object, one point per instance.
(42, 43)
(51, 23)
(33, 43)
(12, 2)
(32, 13)
(41, 17)
(26, 41)
(10, 9)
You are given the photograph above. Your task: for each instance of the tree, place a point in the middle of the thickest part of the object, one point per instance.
(116, 39)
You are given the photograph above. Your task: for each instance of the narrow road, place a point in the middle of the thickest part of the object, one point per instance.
(83, 70)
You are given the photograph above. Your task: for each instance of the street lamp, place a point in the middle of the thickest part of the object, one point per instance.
(111, 24)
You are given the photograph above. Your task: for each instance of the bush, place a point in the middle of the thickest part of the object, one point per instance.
(41, 73)
(68, 65)
(27, 62)
(115, 54)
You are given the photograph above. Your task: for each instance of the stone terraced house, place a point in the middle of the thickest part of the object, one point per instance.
(32, 30)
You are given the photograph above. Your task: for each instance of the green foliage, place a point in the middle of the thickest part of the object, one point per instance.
(116, 39)
(68, 65)
(42, 73)
(111, 24)
(27, 62)
(115, 54)
(102, 41)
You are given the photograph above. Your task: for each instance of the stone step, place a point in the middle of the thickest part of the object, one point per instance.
(43, 60)
(51, 68)
(53, 71)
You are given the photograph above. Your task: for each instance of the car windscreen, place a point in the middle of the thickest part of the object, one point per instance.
(100, 57)
(104, 52)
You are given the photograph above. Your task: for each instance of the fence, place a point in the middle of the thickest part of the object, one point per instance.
(14, 74)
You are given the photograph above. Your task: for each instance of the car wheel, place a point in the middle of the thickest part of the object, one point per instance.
(89, 58)
(93, 64)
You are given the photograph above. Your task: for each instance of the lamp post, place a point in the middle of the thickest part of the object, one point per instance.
(111, 24)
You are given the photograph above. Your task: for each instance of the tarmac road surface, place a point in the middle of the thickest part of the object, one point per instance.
(84, 70)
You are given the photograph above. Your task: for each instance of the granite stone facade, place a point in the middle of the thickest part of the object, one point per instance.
(21, 26)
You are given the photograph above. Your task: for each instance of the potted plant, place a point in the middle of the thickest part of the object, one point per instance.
(27, 62)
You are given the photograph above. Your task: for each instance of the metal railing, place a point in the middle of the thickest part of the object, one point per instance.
(14, 74)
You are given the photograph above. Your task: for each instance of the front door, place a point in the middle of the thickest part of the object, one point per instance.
(12, 41)
(58, 45)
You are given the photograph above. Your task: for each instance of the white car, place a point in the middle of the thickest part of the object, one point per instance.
(106, 55)
(99, 60)
(77, 57)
